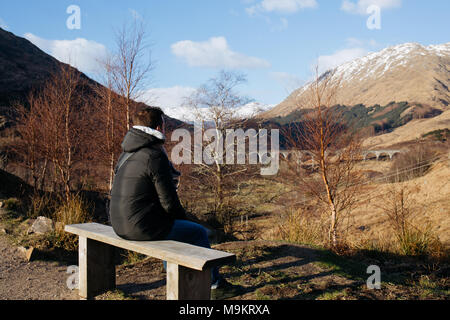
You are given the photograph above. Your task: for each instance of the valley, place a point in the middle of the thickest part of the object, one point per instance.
(372, 187)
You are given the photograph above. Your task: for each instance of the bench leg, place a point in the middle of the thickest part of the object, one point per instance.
(97, 270)
(187, 284)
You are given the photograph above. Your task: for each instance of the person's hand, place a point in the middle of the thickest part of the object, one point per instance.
(176, 182)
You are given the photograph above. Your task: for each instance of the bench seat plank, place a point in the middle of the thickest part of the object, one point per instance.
(183, 254)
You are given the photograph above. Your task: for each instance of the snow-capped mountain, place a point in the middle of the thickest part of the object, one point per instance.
(407, 72)
(186, 114)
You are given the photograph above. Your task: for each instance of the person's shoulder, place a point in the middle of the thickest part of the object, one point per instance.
(156, 155)
(153, 151)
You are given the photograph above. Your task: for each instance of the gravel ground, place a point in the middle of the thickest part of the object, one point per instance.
(35, 280)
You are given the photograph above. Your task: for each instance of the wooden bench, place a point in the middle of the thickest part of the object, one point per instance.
(188, 267)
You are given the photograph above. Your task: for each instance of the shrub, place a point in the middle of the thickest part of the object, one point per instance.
(413, 242)
(73, 210)
(12, 204)
(411, 239)
(439, 135)
(412, 164)
(300, 227)
(41, 205)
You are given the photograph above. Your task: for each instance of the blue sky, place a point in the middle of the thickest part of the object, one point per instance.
(274, 42)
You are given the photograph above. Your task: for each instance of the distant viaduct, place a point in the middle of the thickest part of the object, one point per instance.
(289, 154)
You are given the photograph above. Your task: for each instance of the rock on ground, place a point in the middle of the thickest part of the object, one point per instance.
(42, 225)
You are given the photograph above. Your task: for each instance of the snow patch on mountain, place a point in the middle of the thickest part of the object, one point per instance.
(376, 64)
(406, 72)
(187, 114)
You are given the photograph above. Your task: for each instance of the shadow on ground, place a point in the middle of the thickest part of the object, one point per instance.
(277, 270)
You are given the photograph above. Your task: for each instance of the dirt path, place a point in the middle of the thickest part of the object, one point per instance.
(35, 280)
(46, 280)
(264, 270)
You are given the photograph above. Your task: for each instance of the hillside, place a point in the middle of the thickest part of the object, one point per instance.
(265, 270)
(408, 72)
(374, 119)
(24, 67)
(266, 219)
(411, 131)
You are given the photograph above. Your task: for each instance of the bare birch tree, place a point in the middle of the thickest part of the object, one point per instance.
(31, 146)
(112, 116)
(124, 74)
(335, 151)
(56, 130)
(132, 64)
(215, 104)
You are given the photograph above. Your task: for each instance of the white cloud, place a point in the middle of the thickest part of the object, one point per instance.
(281, 6)
(215, 53)
(328, 62)
(360, 7)
(166, 97)
(80, 53)
(354, 42)
(3, 24)
(289, 81)
(171, 101)
(354, 48)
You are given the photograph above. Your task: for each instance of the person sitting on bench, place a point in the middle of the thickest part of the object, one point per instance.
(144, 202)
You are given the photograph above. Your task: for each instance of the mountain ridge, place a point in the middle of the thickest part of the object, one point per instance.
(406, 72)
(24, 68)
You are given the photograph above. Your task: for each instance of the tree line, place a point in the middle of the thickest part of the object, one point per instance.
(71, 128)
(71, 132)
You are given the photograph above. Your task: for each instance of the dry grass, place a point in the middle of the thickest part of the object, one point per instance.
(368, 226)
(411, 238)
(41, 205)
(412, 164)
(298, 226)
(409, 132)
(431, 194)
(12, 204)
(74, 210)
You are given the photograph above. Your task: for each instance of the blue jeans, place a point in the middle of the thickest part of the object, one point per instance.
(195, 234)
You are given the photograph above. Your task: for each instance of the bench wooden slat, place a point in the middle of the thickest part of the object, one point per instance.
(183, 254)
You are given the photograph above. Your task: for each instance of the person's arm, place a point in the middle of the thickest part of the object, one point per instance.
(175, 175)
(161, 173)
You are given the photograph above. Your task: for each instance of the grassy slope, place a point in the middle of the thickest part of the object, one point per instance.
(272, 270)
(278, 270)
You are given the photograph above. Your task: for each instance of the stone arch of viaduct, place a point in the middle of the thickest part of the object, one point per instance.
(297, 154)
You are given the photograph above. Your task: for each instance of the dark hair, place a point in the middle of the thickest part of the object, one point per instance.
(149, 117)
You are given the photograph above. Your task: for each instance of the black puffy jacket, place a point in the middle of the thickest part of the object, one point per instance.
(144, 200)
